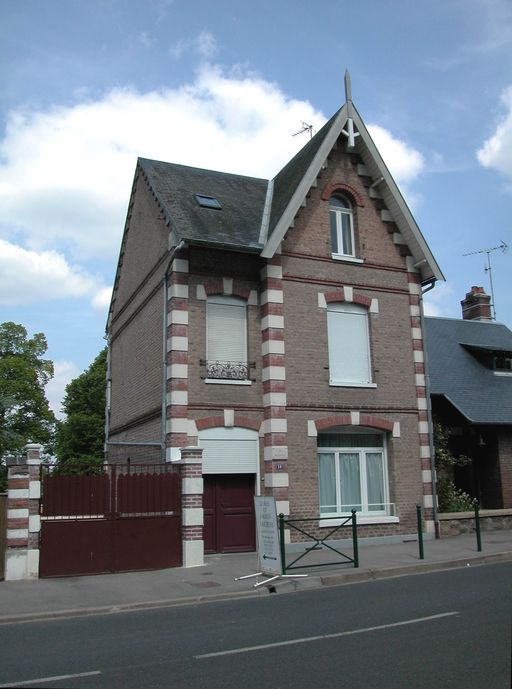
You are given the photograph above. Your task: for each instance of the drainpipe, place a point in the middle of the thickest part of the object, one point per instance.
(173, 252)
(427, 287)
(107, 392)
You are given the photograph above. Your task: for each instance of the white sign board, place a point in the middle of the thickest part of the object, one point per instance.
(269, 554)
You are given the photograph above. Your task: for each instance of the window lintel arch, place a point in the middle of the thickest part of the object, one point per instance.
(364, 420)
(342, 189)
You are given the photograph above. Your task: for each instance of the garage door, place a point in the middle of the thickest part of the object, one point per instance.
(230, 472)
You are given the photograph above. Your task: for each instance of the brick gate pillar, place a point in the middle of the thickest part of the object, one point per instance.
(192, 517)
(23, 520)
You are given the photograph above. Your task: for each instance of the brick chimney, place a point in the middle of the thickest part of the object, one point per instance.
(477, 305)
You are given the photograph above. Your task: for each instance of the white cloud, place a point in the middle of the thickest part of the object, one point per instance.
(66, 173)
(404, 162)
(205, 45)
(101, 300)
(29, 276)
(496, 151)
(64, 372)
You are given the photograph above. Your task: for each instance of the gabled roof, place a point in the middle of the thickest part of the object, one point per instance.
(478, 393)
(291, 184)
(256, 213)
(309, 163)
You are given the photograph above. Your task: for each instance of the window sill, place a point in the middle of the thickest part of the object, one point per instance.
(324, 523)
(227, 381)
(340, 384)
(347, 259)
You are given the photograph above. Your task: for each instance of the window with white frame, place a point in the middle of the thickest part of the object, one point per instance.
(226, 338)
(342, 227)
(349, 344)
(352, 474)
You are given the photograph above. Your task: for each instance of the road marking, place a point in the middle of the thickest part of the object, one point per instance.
(307, 639)
(42, 680)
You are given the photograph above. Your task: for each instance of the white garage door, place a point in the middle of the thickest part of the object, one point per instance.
(229, 450)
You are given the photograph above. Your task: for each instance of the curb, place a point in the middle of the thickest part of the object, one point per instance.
(417, 568)
(313, 582)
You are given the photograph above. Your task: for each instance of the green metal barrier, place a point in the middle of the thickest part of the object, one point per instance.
(477, 527)
(318, 542)
(420, 531)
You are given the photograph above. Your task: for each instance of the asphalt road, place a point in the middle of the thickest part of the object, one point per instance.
(446, 630)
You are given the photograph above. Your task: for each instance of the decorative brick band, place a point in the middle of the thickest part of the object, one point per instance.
(227, 287)
(355, 419)
(23, 521)
(273, 376)
(342, 296)
(344, 188)
(220, 422)
(177, 356)
(425, 459)
(192, 513)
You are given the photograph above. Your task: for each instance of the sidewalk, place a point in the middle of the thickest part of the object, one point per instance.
(104, 593)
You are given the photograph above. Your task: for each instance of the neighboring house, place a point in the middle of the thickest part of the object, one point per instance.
(276, 323)
(470, 371)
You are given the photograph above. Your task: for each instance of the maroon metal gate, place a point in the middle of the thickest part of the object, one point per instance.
(123, 518)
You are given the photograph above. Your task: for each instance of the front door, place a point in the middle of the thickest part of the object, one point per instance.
(228, 503)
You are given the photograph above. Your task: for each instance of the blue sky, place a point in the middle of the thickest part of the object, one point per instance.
(88, 85)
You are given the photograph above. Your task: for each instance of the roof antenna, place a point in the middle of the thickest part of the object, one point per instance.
(503, 247)
(305, 128)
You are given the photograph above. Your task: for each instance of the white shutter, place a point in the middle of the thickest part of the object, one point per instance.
(349, 350)
(229, 450)
(226, 329)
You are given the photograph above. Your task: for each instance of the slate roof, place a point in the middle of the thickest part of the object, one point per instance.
(475, 390)
(256, 213)
(242, 198)
(288, 179)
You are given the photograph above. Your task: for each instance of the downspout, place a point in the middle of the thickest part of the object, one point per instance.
(107, 392)
(178, 247)
(430, 285)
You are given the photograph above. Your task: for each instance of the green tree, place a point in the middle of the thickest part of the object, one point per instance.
(451, 498)
(24, 412)
(80, 437)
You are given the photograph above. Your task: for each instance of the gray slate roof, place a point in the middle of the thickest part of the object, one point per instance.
(288, 179)
(475, 390)
(256, 213)
(242, 198)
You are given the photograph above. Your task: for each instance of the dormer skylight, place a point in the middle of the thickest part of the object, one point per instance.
(208, 201)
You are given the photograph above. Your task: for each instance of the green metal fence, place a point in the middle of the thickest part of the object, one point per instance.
(318, 543)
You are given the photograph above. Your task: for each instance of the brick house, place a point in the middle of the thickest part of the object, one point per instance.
(277, 325)
(470, 370)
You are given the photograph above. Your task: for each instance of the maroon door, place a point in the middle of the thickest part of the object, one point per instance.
(228, 503)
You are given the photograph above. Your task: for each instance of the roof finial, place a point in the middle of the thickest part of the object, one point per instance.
(348, 89)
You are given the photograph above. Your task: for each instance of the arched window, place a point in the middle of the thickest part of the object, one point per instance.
(342, 227)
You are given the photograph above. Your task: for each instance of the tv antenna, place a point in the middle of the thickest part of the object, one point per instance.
(503, 247)
(305, 128)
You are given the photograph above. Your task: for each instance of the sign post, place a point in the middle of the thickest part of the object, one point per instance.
(267, 539)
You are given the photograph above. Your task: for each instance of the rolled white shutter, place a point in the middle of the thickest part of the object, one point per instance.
(349, 347)
(227, 330)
